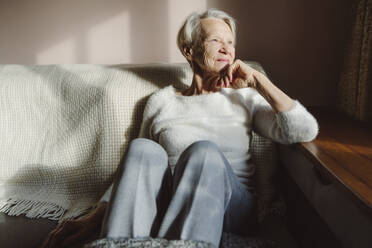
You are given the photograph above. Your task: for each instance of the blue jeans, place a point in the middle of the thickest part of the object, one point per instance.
(202, 198)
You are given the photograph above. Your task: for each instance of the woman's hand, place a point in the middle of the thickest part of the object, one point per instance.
(239, 75)
(72, 232)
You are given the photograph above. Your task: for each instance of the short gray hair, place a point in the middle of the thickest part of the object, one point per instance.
(189, 33)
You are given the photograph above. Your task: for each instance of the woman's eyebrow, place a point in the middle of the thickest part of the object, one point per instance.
(215, 36)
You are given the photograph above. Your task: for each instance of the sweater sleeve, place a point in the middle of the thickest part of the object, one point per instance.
(292, 126)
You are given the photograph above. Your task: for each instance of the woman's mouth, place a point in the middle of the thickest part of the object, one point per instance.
(223, 60)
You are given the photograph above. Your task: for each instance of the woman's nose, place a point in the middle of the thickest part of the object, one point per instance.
(224, 49)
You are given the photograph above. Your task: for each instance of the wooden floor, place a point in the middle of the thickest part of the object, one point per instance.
(342, 153)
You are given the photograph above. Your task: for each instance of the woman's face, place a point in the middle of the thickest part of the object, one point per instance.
(217, 48)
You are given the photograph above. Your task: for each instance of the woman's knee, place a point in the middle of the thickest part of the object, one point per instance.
(142, 145)
(143, 152)
(143, 142)
(202, 147)
(205, 154)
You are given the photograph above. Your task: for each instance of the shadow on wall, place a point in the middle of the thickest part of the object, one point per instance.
(37, 31)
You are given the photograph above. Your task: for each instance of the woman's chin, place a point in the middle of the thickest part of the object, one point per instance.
(217, 69)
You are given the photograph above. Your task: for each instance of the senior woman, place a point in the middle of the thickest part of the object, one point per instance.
(204, 131)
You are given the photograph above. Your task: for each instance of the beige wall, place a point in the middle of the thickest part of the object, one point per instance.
(299, 42)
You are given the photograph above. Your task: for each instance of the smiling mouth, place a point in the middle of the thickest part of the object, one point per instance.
(223, 60)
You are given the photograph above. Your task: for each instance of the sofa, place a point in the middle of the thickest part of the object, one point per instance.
(63, 130)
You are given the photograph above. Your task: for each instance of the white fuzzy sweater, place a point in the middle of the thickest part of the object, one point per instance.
(225, 118)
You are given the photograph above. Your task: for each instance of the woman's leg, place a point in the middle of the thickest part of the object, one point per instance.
(203, 185)
(134, 203)
(240, 215)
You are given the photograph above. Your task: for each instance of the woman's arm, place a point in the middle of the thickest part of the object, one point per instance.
(276, 115)
(277, 99)
(292, 126)
(241, 75)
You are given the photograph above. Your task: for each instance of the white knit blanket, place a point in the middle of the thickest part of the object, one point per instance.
(64, 128)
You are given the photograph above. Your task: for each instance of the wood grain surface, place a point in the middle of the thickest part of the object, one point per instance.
(342, 152)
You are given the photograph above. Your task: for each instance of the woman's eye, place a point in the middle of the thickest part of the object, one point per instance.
(215, 40)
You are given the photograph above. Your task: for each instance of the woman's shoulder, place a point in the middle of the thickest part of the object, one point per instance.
(160, 98)
(162, 95)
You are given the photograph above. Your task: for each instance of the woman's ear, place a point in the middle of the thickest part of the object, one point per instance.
(187, 52)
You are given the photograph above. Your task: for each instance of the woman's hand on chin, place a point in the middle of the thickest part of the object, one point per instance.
(238, 75)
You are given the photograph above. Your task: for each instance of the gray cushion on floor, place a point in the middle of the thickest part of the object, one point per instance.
(22, 232)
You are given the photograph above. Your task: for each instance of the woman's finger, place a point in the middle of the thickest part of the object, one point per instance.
(226, 80)
(230, 70)
(254, 81)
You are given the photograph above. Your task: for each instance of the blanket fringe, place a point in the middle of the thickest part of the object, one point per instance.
(32, 209)
(76, 213)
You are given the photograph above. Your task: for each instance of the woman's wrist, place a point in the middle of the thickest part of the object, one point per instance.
(278, 100)
(258, 77)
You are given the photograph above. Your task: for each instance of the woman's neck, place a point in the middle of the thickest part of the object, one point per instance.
(205, 83)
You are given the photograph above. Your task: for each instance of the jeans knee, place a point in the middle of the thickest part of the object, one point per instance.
(207, 153)
(142, 142)
(202, 147)
(148, 150)
(145, 145)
